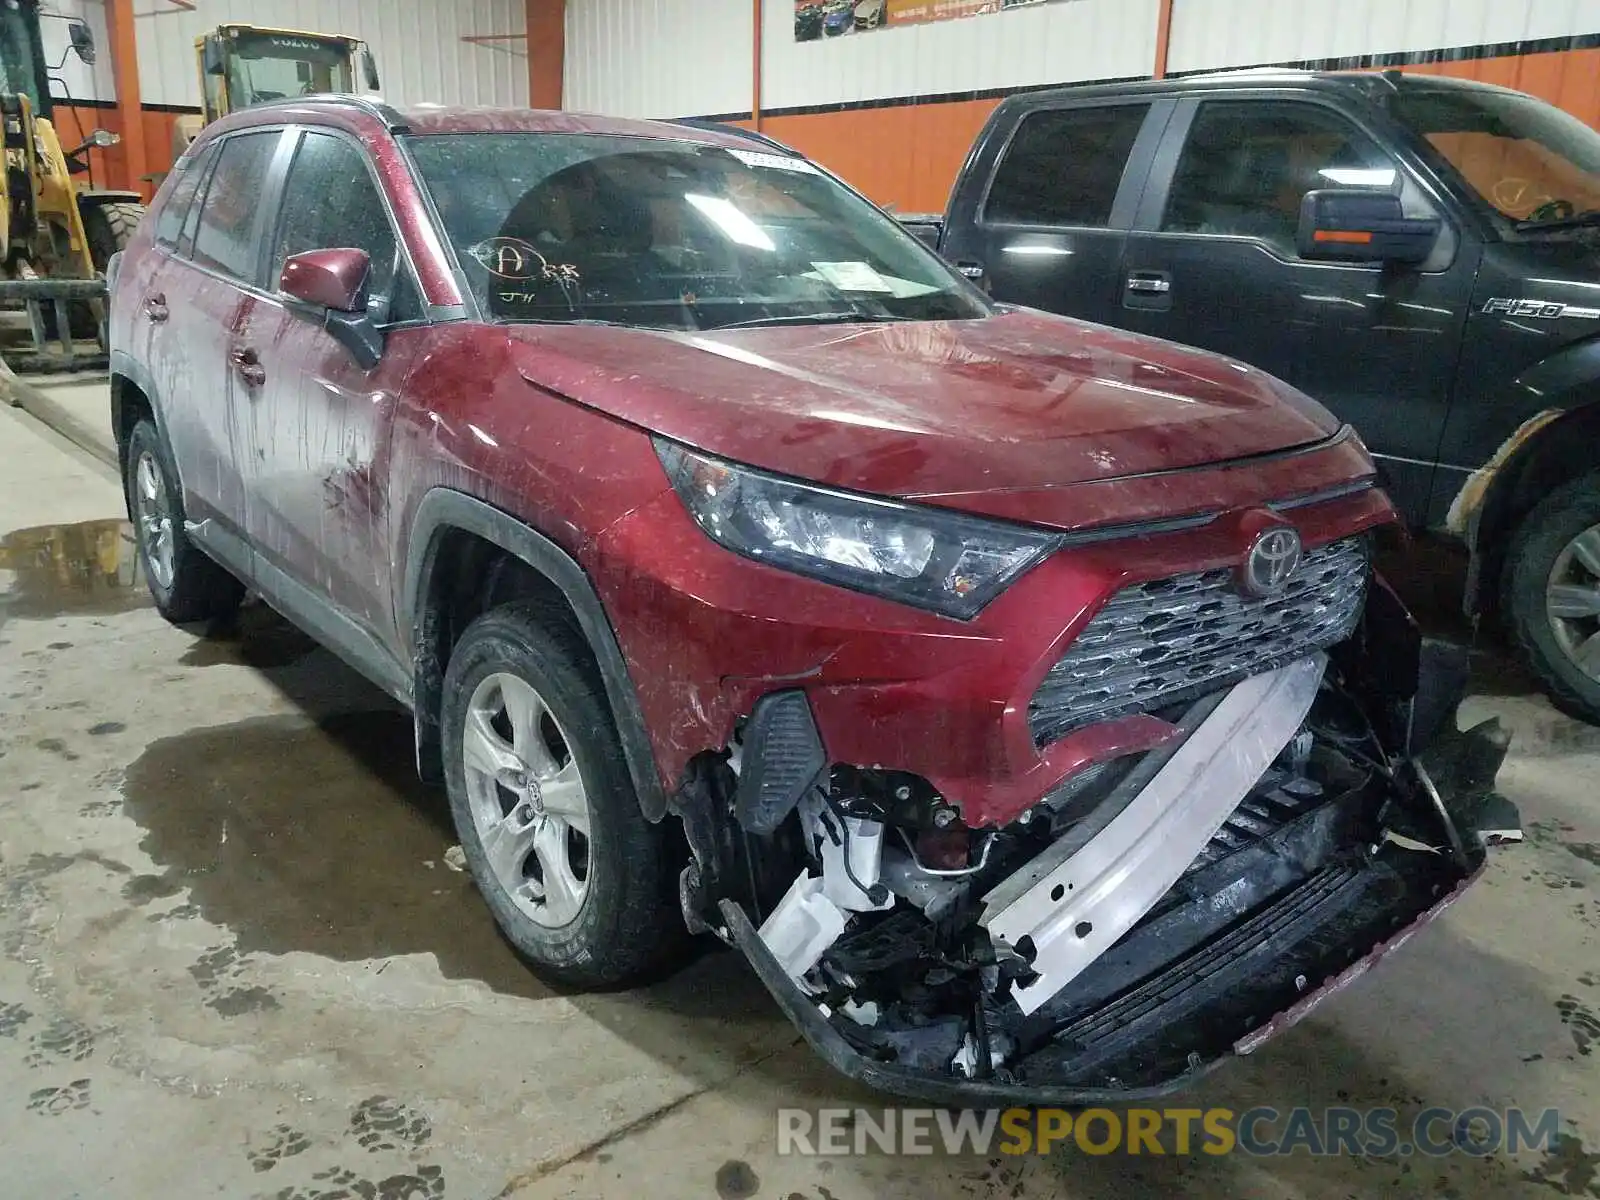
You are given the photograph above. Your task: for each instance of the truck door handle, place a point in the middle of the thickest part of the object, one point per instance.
(155, 307)
(1150, 283)
(248, 364)
(1148, 290)
(972, 270)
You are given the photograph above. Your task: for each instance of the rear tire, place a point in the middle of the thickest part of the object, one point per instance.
(185, 584)
(1552, 580)
(588, 898)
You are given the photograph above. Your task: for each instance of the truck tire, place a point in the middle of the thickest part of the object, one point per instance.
(185, 584)
(1552, 595)
(109, 228)
(579, 882)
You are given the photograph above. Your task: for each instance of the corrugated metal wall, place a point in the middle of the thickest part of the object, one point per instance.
(1211, 34)
(659, 58)
(419, 44)
(1060, 42)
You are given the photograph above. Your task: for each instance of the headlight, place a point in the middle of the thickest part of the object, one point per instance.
(926, 557)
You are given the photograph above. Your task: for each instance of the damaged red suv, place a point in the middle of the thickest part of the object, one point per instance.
(1015, 693)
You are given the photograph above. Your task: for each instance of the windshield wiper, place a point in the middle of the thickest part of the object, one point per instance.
(818, 318)
(1577, 221)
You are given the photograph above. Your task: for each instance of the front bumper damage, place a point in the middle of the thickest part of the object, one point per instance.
(1149, 919)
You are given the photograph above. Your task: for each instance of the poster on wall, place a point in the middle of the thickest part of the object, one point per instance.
(817, 19)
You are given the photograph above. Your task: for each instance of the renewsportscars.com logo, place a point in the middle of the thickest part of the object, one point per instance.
(1260, 1132)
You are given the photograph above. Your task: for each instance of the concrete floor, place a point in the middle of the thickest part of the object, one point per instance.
(234, 959)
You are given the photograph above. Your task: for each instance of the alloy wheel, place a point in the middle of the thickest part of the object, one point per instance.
(528, 801)
(1572, 601)
(153, 515)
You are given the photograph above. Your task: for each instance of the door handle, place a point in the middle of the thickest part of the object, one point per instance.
(972, 270)
(248, 364)
(1149, 283)
(1148, 290)
(155, 307)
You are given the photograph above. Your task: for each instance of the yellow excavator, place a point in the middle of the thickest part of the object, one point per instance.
(56, 235)
(243, 65)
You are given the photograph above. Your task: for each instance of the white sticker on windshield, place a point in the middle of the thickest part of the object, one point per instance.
(777, 162)
(852, 276)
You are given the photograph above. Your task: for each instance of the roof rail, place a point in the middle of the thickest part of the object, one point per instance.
(390, 116)
(1245, 72)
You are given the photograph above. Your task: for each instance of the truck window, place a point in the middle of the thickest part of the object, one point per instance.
(1063, 166)
(1248, 164)
(1534, 163)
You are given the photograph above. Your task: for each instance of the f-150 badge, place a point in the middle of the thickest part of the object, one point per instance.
(1544, 310)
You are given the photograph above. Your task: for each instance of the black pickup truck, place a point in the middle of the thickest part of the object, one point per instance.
(1422, 255)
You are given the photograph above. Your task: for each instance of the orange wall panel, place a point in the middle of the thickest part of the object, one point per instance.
(906, 156)
(158, 130)
(1569, 79)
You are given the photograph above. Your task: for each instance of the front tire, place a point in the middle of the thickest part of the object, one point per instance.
(109, 228)
(1552, 595)
(185, 584)
(578, 881)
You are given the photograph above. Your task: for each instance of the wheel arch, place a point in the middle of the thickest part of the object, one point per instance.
(133, 393)
(444, 513)
(1547, 451)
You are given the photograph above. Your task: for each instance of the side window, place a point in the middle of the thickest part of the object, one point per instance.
(227, 238)
(1248, 164)
(331, 201)
(1064, 167)
(188, 175)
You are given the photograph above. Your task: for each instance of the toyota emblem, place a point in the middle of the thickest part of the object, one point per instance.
(1273, 557)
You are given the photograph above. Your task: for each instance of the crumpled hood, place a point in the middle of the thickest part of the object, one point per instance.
(1022, 400)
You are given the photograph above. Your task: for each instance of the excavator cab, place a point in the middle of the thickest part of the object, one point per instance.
(245, 65)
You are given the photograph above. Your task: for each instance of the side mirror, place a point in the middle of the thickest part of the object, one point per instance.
(82, 42)
(369, 68)
(1352, 225)
(334, 283)
(100, 139)
(212, 60)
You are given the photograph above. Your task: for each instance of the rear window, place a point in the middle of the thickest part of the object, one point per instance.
(188, 174)
(1063, 167)
(229, 238)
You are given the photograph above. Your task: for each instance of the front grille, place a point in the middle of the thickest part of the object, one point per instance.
(1172, 639)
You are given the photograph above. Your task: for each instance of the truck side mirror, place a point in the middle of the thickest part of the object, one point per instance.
(369, 68)
(212, 60)
(1354, 225)
(82, 42)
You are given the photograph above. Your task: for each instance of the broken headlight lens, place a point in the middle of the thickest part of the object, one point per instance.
(926, 557)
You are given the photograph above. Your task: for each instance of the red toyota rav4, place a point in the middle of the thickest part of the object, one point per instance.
(1015, 693)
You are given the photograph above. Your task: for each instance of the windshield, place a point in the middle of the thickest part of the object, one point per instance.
(1531, 162)
(271, 66)
(17, 55)
(670, 234)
